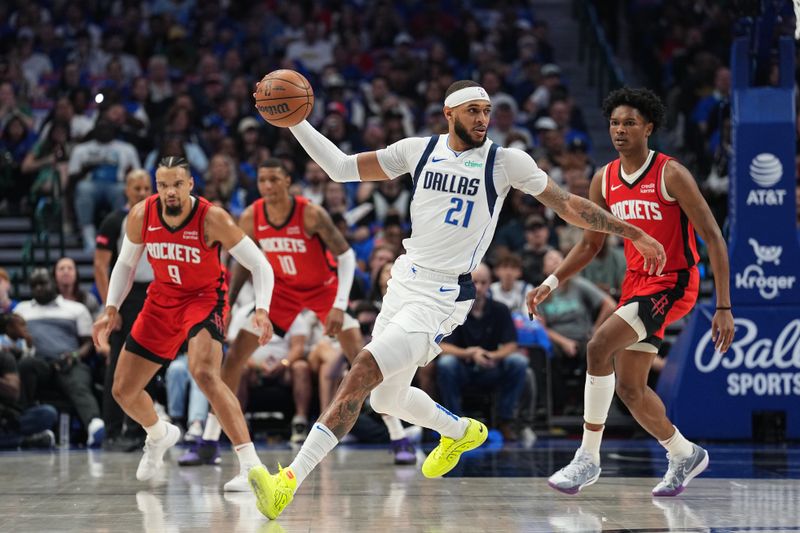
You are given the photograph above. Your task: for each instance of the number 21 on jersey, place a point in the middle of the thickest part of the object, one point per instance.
(455, 216)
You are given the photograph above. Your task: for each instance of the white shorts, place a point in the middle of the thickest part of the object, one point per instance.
(419, 301)
(241, 319)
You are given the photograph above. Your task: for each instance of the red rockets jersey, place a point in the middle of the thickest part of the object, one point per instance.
(184, 267)
(642, 204)
(299, 261)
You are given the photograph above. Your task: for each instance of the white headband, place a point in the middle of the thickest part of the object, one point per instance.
(466, 94)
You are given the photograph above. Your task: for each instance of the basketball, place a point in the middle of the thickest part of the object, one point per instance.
(284, 98)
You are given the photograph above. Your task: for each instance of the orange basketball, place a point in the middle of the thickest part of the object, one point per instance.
(284, 98)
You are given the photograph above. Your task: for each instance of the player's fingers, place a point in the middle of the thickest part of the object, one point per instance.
(662, 262)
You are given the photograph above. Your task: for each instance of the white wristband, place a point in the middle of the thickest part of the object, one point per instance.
(551, 281)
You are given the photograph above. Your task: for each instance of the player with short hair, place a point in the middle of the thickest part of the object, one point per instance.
(314, 268)
(186, 300)
(658, 195)
(460, 181)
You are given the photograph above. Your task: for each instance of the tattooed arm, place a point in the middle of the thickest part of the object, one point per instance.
(588, 215)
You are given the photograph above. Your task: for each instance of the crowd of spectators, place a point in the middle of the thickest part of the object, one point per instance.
(682, 50)
(94, 92)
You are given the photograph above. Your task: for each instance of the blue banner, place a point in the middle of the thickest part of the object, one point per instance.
(714, 396)
(763, 245)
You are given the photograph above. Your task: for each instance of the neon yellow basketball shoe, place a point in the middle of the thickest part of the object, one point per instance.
(273, 491)
(445, 456)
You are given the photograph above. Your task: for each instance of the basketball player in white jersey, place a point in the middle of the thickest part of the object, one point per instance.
(460, 181)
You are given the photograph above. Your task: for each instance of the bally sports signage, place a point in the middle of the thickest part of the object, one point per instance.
(713, 395)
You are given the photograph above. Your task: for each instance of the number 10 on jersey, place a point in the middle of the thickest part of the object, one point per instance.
(454, 215)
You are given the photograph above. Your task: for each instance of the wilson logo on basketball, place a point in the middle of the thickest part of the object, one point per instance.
(273, 109)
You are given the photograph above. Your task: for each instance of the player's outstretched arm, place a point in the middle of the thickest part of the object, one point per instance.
(682, 186)
(317, 221)
(121, 280)
(588, 215)
(577, 258)
(220, 227)
(239, 274)
(338, 165)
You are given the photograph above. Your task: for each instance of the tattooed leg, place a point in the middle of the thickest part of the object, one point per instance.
(364, 376)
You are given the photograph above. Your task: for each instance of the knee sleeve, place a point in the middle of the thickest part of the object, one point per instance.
(395, 349)
(383, 399)
(597, 395)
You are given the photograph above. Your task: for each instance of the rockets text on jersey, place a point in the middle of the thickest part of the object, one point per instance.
(300, 261)
(643, 201)
(183, 265)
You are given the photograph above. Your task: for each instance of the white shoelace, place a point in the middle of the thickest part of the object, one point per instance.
(581, 463)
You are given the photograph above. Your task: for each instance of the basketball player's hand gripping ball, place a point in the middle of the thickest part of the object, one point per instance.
(284, 98)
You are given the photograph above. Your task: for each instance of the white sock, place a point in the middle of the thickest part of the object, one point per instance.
(448, 424)
(213, 430)
(248, 458)
(319, 442)
(156, 431)
(677, 445)
(394, 426)
(591, 442)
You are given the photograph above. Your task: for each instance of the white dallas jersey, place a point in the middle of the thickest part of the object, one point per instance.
(457, 197)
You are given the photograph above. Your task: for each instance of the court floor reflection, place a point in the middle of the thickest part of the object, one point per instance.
(357, 489)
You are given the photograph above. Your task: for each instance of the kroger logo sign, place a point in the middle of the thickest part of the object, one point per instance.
(766, 170)
(754, 278)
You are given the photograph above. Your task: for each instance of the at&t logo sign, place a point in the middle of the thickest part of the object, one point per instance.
(766, 171)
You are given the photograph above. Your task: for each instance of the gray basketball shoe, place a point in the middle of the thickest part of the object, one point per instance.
(581, 472)
(681, 472)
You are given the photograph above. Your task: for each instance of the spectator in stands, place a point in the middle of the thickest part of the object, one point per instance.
(510, 236)
(99, 167)
(47, 161)
(121, 433)
(19, 426)
(510, 289)
(560, 111)
(14, 336)
(537, 236)
(68, 285)
(10, 106)
(7, 304)
(35, 65)
(570, 317)
(15, 141)
(607, 268)
(380, 284)
(180, 387)
(62, 335)
(313, 51)
(222, 185)
(577, 157)
(283, 362)
(483, 352)
(540, 99)
(314, 180)
(503, 127)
